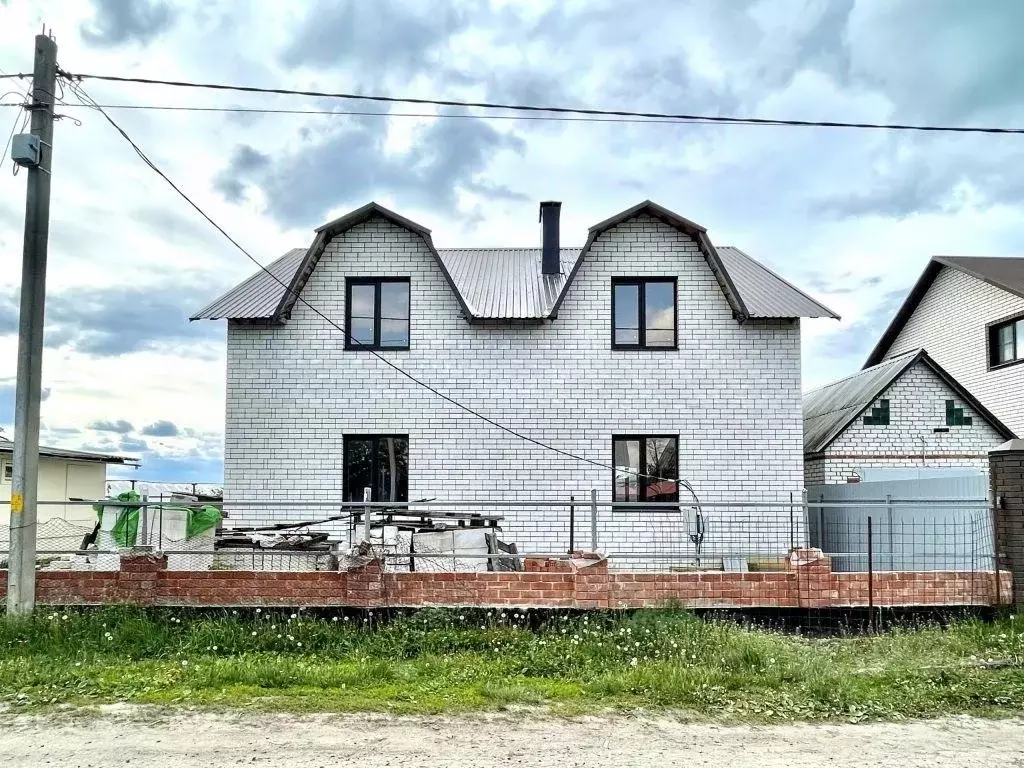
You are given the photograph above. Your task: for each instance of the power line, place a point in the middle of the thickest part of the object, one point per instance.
(358, 113)
(553, 109)
(87, 100)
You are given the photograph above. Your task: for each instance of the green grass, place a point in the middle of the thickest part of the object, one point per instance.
(458, 661)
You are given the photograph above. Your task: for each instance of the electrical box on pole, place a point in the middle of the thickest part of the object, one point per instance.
(25, 150)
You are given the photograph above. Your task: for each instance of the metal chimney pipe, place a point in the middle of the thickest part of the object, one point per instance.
(550, 211)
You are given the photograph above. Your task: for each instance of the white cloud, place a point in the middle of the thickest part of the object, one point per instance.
(851, 216)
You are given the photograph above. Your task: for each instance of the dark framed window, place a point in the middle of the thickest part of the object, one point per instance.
(1006, 342)
(878, 416)
(377, 313)
(644, 313)
(377, 462)
(646, 468)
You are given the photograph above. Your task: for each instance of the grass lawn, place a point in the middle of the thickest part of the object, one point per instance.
(457, 661)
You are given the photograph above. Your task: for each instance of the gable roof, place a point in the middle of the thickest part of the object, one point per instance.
(830, 409)
(6, 446)
(1002, 272)
(508, 283)
(258, 295)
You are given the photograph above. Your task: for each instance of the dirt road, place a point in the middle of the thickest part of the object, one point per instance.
(146, 739)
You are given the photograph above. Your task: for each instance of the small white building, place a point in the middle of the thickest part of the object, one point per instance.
(968, 312)
(904, 412)
(648, 350)
(64, 475)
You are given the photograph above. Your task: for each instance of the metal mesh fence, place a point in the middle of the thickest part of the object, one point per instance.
(749, 536)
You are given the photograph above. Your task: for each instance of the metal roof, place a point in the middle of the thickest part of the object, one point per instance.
(764, 293)
(258, 296)
(1003, 272)
(830, 409)
(507, 283)
(6, 446)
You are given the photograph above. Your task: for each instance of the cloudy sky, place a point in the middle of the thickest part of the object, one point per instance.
(850, 216)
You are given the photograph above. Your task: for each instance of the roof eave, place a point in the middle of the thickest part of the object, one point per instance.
(331, 229)
(826, 312)
(917, 292)
(684, 225)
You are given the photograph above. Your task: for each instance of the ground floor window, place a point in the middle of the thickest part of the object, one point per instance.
(646, 468)
(377, 462)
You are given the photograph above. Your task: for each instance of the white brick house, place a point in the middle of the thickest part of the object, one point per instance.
(968, 312)
(707, 388)
(903, 412)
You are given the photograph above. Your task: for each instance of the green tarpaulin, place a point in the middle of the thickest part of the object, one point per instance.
(126, 528)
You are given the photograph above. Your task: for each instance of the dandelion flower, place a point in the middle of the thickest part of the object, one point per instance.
(633, 662)
(215, 647)
(294, 616)
(254, 633)
(259, 610)
(184, 662)
(299, 644)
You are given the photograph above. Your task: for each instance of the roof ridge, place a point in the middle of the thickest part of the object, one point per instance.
(863, 371)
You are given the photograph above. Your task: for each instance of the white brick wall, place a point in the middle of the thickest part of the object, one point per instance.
(917, 404)
(950, 323)
(731, 392)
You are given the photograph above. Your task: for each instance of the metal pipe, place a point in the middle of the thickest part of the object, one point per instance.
(572, 523)
(593, 520)
(871, 580)
(366, 515)
(671, 507)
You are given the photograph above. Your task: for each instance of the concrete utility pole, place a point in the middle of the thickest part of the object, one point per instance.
(21, 565)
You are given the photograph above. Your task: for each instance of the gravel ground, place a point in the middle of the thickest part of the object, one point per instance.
(146, 738)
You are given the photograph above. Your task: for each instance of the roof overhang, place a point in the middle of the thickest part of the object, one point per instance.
(917, 292)
(684, 225)
(331, 229)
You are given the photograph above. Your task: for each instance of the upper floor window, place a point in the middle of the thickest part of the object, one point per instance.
(644, 312)
(646, 468)
(1006, 342)
(377, 313)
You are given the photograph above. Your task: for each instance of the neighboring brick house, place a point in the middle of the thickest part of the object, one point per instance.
(648, 348)
(968, 312)
(904, 412)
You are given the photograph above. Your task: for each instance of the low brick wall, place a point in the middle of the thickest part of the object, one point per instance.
(808, 582)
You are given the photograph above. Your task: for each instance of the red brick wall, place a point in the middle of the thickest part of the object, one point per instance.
(808, 583)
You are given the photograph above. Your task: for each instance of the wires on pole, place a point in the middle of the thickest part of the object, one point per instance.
(558, 110)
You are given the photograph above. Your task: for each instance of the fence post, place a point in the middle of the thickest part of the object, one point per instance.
(792, 539)
(889, 522)
(593, 519)
(366, 515)
(821, 521)
(871, 580)
(572, 523)
(995, 552)
(143, 531)
(160, 527)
